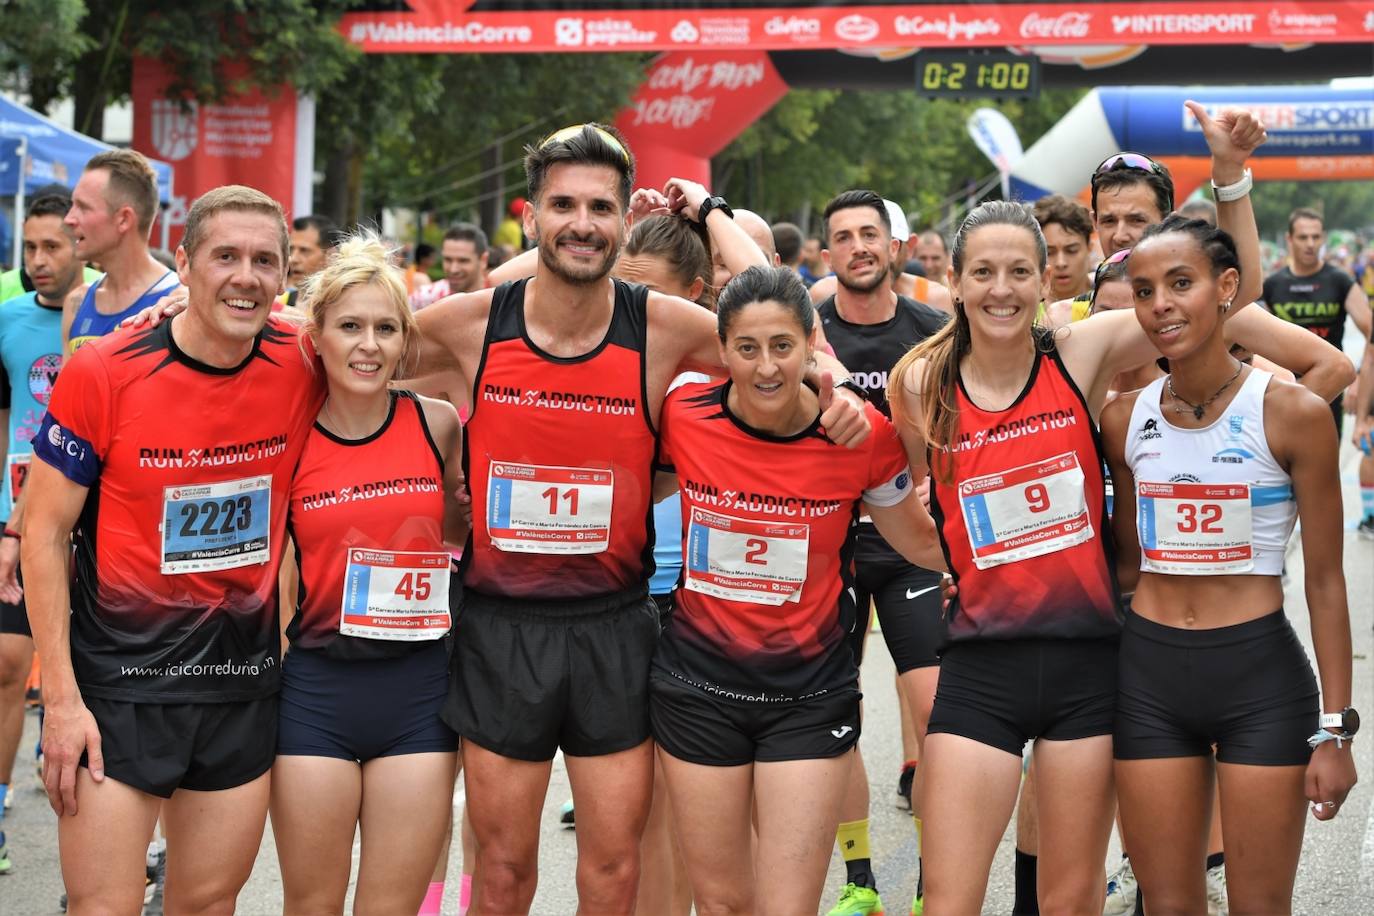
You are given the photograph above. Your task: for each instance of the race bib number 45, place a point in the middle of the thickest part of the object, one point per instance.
(216, 526)
(396, 595)
(745, 560)
(536, 509)
(1026, 512)
(1194, 529)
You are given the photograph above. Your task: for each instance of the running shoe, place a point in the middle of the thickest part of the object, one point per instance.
(565, 815)
(1121, 891)
(1366, 528)
(1216, 891)
(5, 863)
(918, 903)
(858, 901)
(904, 785)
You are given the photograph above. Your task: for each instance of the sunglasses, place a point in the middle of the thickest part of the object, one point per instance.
(567, 133)
(1101, 272)
(1131, 162)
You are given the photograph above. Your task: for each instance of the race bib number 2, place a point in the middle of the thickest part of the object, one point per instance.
(395, 595)
(216, 526)
(1026, 512)
(1194, 529)
(745, 560)
(556, 510)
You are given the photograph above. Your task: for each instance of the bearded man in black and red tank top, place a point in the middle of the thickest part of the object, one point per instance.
(566, 373)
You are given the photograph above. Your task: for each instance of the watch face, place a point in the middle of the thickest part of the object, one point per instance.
(1350, 720)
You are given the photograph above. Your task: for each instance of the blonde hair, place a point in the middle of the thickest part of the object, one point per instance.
(232, 197)
(360, 259)
(132, 181)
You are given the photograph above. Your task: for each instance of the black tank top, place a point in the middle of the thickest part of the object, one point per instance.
(869, 351)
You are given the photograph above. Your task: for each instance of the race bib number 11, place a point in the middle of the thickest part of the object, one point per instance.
(1026, 512)
(555, 510)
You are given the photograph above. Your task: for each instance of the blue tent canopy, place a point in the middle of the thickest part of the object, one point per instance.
(55, 154)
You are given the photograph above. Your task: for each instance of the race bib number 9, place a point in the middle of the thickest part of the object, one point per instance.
(1026, 512)
(216, 526)
(16, 474)
(745, 560)
(395, 595)
(557, 510)
(1194, 529)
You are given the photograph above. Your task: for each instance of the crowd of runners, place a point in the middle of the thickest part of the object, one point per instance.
(312, 537)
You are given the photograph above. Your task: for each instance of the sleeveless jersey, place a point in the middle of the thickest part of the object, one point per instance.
(869, 351)
(1209, 501)
(1022, 522)
(31, 351)
(179, 541)
(668, 523)
(88, 324)
(367, 519)
(768, 526)
(558, 455)
(1315, 302)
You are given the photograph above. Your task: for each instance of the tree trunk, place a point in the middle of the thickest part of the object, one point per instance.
(492, 205)
(334, 199)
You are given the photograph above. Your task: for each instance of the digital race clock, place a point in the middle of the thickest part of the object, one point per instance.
(962, 74)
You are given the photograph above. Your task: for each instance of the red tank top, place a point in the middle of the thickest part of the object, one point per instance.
(367, 519)
(558, 454)
(1022, 524)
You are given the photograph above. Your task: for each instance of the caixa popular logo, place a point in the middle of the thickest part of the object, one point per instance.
(568, 33)
(856, 28)
(175, 128)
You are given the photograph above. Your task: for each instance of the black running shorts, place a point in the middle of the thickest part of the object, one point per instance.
(364, 709)
(530, 677)
(909, 601)
(1004, 693)
(695, 726)
(205, 747)
(14, 618)
(1248, 689)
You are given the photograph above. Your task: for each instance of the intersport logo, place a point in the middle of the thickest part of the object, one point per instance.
(856, 28)
(1065, 25)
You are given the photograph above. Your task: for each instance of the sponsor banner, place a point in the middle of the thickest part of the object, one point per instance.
(465, 26)
(249, 138)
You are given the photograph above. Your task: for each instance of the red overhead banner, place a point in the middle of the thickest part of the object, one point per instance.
(474, 26)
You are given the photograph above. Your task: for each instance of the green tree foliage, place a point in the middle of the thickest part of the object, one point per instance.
(914, 150)
(40, 42)
(1345, 204)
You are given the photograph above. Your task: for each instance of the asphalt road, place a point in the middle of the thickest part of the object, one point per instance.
(1337, 869)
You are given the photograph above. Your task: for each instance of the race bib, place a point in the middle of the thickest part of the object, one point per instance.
(537, 509)
(745, 560)
(1026, 512)
(16, 473)
(1194, 529)
(216, 526)
(396, 595)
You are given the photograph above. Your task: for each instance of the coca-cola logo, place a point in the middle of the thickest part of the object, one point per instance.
(1065, 25)
(856, 28)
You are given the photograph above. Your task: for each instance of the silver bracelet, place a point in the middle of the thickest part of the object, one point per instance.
(1229, 192)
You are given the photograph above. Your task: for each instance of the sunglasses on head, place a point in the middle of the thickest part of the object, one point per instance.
(567, 133)
(1131, 162)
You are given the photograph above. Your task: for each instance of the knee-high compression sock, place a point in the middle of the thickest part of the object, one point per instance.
(1026, 903)
(852, 838)
(434, 899)
(920, 878)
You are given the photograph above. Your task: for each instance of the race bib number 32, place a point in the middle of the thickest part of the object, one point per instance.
(1026, 512)
(216, 526)
(745, 560)
(536, 509)
(395, 595)
(1194, 529)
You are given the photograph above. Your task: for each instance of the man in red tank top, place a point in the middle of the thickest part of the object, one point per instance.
(566, 374)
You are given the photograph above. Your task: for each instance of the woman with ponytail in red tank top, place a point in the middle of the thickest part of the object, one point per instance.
(371, 515)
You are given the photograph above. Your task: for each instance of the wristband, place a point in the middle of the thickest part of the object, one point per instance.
(11, 533)
(1229, 192)
(1322, 736)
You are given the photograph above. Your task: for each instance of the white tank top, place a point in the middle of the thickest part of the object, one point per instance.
(1210, 501)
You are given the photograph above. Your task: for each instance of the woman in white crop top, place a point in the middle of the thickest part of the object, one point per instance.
(1213, 464)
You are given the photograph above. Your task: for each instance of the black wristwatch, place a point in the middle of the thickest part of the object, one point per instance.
(713, 203)
(1347, 721)
(850, 385)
